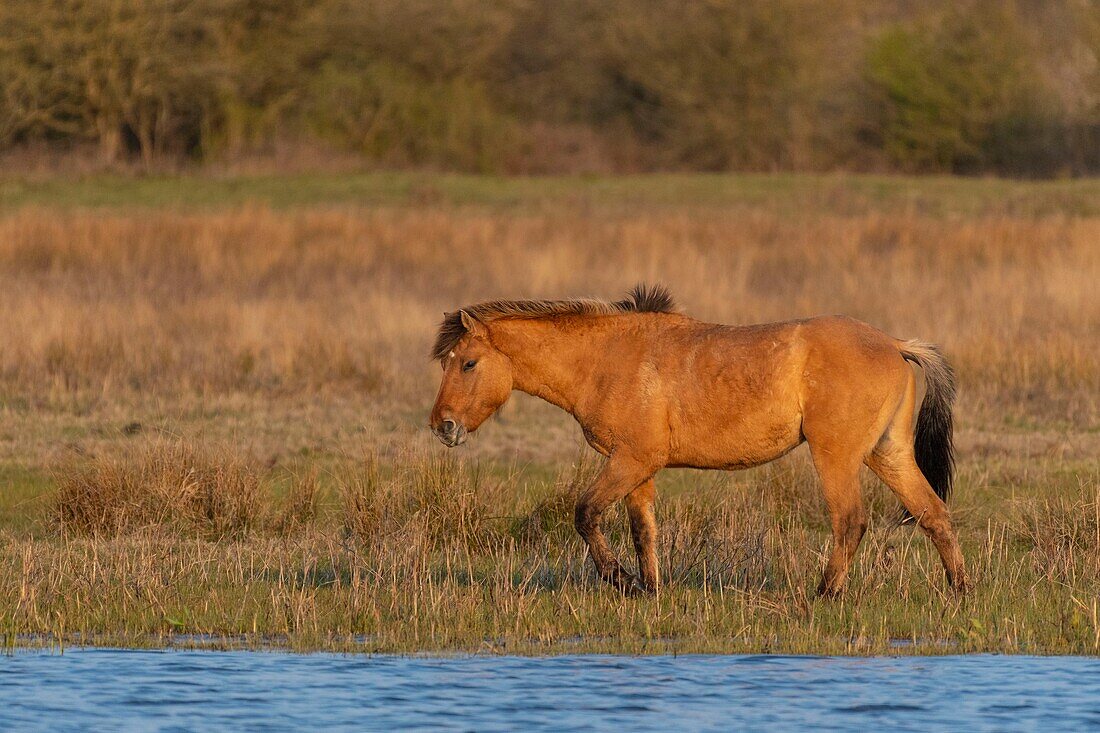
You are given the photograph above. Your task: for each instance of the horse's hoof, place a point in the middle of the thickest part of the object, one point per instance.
(627, 584)
(631, 587)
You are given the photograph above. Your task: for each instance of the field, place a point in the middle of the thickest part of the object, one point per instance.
(214, 392)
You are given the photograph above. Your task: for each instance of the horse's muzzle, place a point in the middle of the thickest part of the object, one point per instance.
(450, 433)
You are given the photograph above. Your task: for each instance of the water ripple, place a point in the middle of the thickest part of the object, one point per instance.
(101, 689)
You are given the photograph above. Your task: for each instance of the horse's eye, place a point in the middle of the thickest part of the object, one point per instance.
(469, 365)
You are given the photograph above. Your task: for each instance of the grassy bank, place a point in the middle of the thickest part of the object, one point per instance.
(438, 553)
(212, 394)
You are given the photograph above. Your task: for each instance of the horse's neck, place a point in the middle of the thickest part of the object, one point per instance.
(550, 360)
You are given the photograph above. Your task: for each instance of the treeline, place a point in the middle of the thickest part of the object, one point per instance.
(1008, 87)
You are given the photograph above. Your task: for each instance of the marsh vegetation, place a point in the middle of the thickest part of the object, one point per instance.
(212, 413)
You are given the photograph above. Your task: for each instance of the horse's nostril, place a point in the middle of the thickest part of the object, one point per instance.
(449, 426)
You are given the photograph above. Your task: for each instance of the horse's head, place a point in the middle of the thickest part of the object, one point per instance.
(477, 380)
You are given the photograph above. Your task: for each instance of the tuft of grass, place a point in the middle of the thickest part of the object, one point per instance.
(551, 517)
(301, 504)
(446, 500)
(1064, 534)
(165, 484)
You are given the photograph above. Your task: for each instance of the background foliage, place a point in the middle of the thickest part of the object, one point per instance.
(1001, 86)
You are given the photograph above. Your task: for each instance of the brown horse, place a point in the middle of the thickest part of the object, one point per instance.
(652, 388)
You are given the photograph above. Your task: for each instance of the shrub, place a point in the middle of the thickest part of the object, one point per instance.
(938, 93)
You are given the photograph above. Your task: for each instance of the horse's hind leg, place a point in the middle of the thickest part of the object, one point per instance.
(643, 528)
(839, 474)
(894, 462)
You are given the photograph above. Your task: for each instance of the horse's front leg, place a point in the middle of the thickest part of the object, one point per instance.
(643, 528)
(619, 477)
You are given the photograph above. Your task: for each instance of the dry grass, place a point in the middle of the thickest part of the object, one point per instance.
(176, 486)
(430, 496)
(1065, 534)
(255, 301)
(213, 423)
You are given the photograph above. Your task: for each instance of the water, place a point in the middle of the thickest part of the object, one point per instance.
(100, 689)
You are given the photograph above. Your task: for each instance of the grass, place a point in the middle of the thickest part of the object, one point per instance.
(839, 194)
(435, 553)
(212, 394)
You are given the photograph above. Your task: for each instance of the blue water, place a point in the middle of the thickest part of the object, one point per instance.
(107, 690)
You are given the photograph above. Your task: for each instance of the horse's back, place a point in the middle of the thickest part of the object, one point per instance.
(741, 395)
(848, 355)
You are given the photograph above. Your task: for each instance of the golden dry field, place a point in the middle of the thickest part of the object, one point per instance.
(214, 393)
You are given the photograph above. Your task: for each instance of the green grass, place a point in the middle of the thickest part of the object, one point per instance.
(24, 493)
(795, 192)
(492, 565)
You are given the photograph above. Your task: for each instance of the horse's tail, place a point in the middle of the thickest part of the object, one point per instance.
(933, 445)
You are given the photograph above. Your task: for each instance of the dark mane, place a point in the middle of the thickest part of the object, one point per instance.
(642, 299)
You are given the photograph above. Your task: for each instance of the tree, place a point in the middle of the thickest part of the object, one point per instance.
(938, 90)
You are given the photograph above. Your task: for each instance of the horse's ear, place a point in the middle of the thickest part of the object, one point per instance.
(472, 325)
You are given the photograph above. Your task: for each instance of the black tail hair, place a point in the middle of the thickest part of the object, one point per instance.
(933, 445)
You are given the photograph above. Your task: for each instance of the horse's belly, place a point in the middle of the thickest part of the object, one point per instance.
(736, 444)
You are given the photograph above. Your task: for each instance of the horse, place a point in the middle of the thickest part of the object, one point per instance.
(653, 388)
